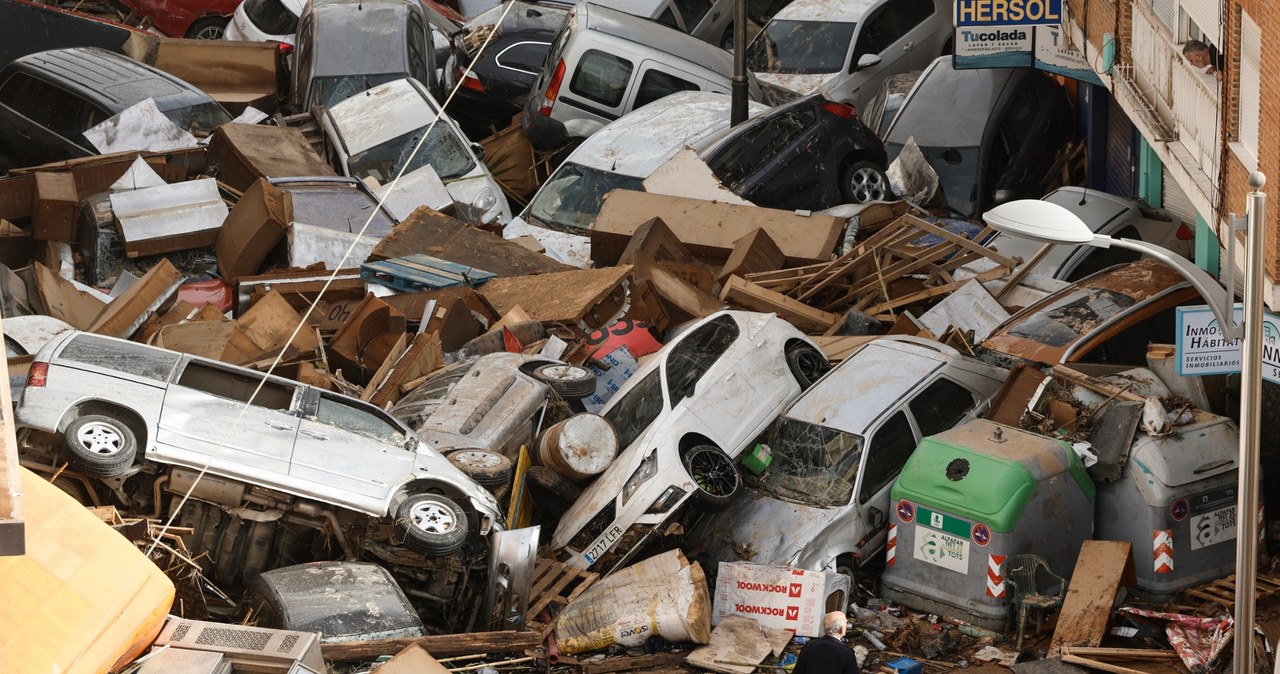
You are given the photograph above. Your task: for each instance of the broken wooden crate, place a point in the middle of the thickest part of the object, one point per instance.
(555, 585)
(422, 272)
(906, 262)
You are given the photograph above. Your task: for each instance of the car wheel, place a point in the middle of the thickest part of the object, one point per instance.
(560, 486)
(100, 446)
(488, 469)
(806, 363)
(208, 28)
(716, 477)
(431, 524)
(863, 181)
(570, 381)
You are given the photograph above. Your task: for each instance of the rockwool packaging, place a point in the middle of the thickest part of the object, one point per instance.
(777, 596)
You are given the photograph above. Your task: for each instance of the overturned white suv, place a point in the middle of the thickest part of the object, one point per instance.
(274, 449)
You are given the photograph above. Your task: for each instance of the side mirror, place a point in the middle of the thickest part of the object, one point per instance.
(875, 516)
(478, 149)
(868, 60)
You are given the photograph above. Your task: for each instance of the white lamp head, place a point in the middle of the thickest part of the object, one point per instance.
(1039, 221)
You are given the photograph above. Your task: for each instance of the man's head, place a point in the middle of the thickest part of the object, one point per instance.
(1197, 53)
(834, 624)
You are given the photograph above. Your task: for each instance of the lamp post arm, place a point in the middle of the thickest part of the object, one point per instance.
(1214, 294)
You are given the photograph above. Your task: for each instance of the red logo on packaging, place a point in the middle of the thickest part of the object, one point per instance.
(795, 590)
(793, 613)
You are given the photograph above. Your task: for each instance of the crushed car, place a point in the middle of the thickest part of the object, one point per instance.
(682, 420)
(822, 499)
(153, 426)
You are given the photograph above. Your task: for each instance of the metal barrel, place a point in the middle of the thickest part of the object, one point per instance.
(579, 447)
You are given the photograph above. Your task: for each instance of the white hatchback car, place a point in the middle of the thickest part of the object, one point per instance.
(373, 133)
(844, 49)
(265, 21)
(683, 418)
(837, 450)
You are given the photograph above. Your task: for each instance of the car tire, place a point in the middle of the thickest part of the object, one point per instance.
(570, 381)
(431, 524)
(488, 469)
(863, 182)
(716, 478)
(558, 485)
(806, 363)
(100, 446)
(207, 28)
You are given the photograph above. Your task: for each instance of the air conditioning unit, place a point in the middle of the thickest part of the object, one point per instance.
(267, 650)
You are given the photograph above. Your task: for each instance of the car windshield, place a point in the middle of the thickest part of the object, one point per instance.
(636, 409)
(271, 17)
(957, 169)
(811, 464)
(327, 91)
(442, 150)
(800, 47)
(201, 119)
(1064, 321)
(572, 197)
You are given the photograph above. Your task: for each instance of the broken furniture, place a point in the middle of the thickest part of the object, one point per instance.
(1022, 573)
(244, 153)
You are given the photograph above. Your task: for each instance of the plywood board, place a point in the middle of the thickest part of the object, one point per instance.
(271, 321)
(560, 297)
(434, 233)
(63, 301)
(126, 313)
(1101, 568)
(740, 292)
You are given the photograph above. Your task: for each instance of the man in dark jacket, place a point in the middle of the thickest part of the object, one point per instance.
(828, 654)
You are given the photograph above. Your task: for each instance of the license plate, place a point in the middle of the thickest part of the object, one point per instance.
(941, 549)
(601, 545)
(1213, 527)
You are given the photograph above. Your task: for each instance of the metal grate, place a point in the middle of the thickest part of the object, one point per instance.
(245, 640)
(286, 645)
(594, 527)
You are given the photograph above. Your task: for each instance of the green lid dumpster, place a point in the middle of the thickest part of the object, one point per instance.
(972, 496)
(1175, 502)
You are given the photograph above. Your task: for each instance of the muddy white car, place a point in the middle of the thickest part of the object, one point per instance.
(822, 501)
(683, 419)
(142, 420)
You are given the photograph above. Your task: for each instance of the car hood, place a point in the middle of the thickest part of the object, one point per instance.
(801, 84)
(761, 529)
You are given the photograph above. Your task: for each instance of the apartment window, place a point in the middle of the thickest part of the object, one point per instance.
(1250, 84)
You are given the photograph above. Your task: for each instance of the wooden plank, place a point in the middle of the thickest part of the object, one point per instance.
(629, 663)
(438, 645)
(12, 516)
(743, 293)
(1021, 272)
(563, 296)
(1101, 568)
(960, 241)
(930, 293)
(1095, 385)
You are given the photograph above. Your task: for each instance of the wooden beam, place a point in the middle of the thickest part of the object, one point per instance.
(624, 663)
(438, 645)
(12, 526)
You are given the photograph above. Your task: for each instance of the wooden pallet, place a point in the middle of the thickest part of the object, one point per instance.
(422, 272)
(556, 584)
(1223, 590)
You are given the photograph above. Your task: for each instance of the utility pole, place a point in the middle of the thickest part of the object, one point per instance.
(738, 101)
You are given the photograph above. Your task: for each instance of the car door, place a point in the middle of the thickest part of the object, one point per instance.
(893, 31)
(719, 397)
(237, 421)
(349, 450)
(933, 409)
(598, 86)
(774, 163)
(658, 81)
(705, 19)
(40, 120)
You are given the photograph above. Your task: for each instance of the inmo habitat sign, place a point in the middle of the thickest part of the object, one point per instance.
(1203, 350)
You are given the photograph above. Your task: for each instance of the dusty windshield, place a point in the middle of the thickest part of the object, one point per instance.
(442, 150)
(571, 199)
(1074, 315)
(636, 409)
(812, 464)
(800, 47)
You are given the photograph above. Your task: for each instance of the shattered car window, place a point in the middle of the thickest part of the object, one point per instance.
(695, 354)
(571, 199)
(810, 462)
(800, 47)
(1074, 315)
(362, 422)
(200, 120)
(326, 91)
(636, 409)
(442, 150)
(415, 408)
(136, 359)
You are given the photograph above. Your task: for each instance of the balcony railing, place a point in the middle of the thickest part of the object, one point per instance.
(1182, 100)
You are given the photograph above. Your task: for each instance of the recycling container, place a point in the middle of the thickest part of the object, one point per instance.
(1175, 502)
(970, 497)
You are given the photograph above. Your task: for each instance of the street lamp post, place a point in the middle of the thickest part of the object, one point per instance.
(1050, 223)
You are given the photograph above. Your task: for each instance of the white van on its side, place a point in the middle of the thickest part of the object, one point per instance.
(605, 63)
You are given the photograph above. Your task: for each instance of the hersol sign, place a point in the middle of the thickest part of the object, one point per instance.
(1008, 13)
(1203, 350)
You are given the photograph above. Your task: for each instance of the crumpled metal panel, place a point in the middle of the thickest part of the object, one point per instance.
(169, 217)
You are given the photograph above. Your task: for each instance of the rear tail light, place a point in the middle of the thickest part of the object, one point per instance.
(284, 48)
(469, 80)
(1186, 233)
(553, 90)
(38, 375)
(840, 109)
